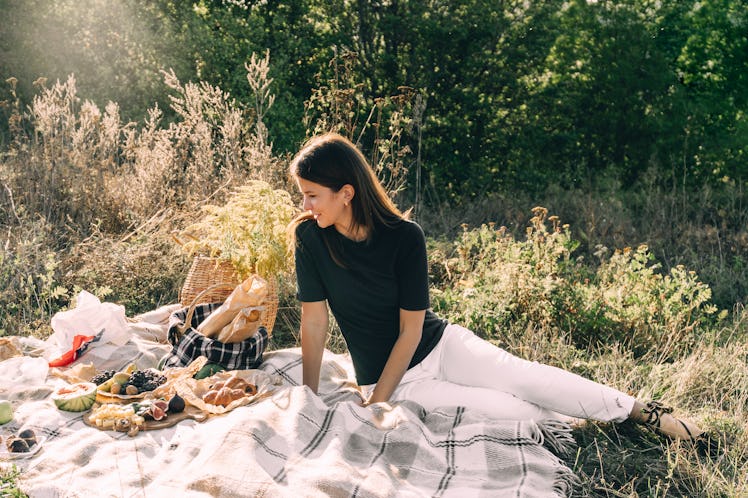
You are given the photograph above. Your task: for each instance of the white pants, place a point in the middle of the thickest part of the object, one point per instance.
(465, 370)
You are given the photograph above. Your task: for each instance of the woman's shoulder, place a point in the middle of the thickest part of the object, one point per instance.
(409, 227)
(303, 226)
(307, 230)
(405, 230)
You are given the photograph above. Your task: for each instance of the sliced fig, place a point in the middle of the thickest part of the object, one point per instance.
(157, 412)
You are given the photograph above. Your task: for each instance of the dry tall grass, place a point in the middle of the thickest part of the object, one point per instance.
(86, 197)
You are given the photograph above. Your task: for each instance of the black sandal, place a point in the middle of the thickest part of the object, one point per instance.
(654, 412)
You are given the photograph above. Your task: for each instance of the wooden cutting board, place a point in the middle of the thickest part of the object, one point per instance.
(190, 412)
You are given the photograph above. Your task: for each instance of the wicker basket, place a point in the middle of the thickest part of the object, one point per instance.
(212, 280)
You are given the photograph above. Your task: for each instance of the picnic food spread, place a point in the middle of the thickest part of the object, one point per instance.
(131, 400)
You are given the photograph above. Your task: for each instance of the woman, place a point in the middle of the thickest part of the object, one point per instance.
(357, 253)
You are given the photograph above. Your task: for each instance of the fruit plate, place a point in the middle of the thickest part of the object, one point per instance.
(7, 455)
(190, 412)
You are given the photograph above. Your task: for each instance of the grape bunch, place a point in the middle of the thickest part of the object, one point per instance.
(146, 380)
(102, 377)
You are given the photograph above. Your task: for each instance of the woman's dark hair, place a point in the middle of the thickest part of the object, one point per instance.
(331, 160)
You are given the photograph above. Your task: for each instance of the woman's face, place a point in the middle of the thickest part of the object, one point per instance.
(327, 206)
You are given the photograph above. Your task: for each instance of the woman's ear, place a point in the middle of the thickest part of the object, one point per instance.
(348, 192)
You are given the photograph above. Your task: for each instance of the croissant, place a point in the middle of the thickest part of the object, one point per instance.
(223, 396)
(236, 383)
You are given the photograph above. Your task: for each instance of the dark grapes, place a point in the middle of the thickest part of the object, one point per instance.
(147, 380)
(102, 377)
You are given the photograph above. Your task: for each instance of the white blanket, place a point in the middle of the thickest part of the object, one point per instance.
(292, 444)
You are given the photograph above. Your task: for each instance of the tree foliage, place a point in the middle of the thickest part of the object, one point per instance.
(518, 94)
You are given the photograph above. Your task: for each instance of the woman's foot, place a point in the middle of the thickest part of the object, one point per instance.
(660, 418)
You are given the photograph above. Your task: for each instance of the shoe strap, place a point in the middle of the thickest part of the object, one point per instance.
(654, 411)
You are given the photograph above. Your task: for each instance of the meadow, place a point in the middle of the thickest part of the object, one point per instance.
(640, 288)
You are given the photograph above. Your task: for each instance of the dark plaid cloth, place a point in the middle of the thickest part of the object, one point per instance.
(243, 355)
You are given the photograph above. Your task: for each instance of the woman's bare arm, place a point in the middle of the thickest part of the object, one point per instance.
(314, 322)
(411, 328)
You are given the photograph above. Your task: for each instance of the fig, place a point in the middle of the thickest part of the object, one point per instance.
(176, 404)
(157, 412)
(29, 436)
(17, 445)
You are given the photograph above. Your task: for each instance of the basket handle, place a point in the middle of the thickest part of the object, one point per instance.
(191, 310)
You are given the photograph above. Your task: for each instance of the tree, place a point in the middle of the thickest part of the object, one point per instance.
(116, 50)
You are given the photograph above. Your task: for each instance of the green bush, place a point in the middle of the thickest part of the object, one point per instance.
(643, 308)
(497, 283)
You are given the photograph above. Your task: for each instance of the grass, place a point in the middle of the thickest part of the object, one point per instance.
(642, 290)
(8, 486)
(621, 319)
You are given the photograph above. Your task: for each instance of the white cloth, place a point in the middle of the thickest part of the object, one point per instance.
(90, 317)
(465, 370)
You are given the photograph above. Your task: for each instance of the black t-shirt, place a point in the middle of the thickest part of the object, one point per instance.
(382, 275)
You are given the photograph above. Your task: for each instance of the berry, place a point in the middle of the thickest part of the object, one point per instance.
(102, 377)
(147, 380)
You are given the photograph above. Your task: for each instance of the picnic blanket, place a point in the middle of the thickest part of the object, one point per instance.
(292, 443)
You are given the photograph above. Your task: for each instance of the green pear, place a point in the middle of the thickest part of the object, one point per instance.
(6, 411)
(121, 377)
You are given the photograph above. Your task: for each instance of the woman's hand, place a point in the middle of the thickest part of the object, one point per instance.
(382, 414)
(378, 407)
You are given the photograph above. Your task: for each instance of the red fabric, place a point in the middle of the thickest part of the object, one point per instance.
(80, 342)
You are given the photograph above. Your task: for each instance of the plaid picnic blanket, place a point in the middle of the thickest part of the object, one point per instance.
(296, 444)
